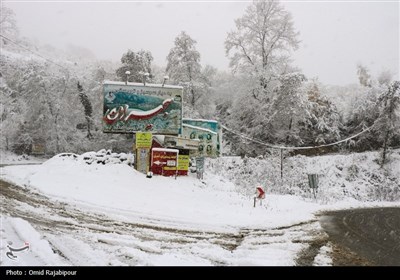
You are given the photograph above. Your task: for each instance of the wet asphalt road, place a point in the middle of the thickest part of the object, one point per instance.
(373, 233)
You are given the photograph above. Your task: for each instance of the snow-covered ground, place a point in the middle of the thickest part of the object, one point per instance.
(357, 177)
(11, 158)
(16, 233)
(212, 202)
(95, 214)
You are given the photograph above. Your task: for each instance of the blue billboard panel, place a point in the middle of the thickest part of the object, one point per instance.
(135, 107)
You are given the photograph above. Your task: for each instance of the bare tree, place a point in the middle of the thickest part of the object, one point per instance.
(389, 121)
(385, 77)
(8, 24)
(363, 75)
(262, 42)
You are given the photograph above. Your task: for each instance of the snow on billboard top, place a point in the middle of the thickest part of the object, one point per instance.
(207, 124)
(199, 128)
(135, 107)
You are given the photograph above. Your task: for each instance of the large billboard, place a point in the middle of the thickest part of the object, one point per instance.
(208, 140)
(135, 107)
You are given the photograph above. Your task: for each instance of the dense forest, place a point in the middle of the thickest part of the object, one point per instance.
(54, 97)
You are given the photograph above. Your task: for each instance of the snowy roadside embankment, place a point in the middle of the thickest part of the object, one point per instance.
(16, 234)
(341, 177)
(96, 206)
(8, 158)
(118, 215)
(119, 189)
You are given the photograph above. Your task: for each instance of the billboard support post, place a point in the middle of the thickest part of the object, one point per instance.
(143, 141)
(142, 160)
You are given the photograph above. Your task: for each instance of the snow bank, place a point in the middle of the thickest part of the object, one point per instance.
(323, 258)
(16, 233)
(341, 177)
(186, 201)
(7, 157)
(119, 193)
(100, 157)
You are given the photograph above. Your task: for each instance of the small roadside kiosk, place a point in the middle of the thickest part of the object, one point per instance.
(185, 147)
(164, 161)
(164, 148)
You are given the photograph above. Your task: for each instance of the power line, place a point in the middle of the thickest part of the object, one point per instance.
(272, 146)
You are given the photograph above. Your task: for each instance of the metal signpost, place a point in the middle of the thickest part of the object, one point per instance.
(143, 145)
(313, 183)
(200, 167)
(260, 194)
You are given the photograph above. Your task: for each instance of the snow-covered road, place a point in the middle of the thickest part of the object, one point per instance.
(75, 213)
(65, 234)
(79, 237)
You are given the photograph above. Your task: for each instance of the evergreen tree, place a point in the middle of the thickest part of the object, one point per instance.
(184, 67)
(88, 110)
(323, 124)
(289, 109)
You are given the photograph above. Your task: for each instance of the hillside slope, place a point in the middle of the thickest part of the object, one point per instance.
(357, 175)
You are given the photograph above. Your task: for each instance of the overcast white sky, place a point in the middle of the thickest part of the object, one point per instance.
(335, 35)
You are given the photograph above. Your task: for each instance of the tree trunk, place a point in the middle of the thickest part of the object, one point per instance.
(385, 142)
(290, 128)
(57, 135)
(89, 134)
(192, 93)
(287, 139)
(281, 163)
(387, 134)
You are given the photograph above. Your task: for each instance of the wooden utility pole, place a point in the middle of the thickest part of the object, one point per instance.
(281, 163)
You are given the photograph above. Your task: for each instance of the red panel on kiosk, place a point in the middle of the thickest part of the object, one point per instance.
(164, 161)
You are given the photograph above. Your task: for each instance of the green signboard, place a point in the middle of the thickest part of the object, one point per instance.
(209, 134)
(143, 140)
(135, 107)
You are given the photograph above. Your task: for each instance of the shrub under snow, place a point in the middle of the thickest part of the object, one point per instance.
(101, 157)
(357, 176)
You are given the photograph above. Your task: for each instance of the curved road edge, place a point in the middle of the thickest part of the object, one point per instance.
(373, 234)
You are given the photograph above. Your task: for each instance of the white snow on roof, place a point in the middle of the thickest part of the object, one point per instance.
(199, 128)
(165, 150)
(141, 85)
(159, 138)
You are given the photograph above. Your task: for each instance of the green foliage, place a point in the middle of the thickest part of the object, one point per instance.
(87, 109)
(184, 68)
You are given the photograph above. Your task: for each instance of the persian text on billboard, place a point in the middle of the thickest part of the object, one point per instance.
(131, 108)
